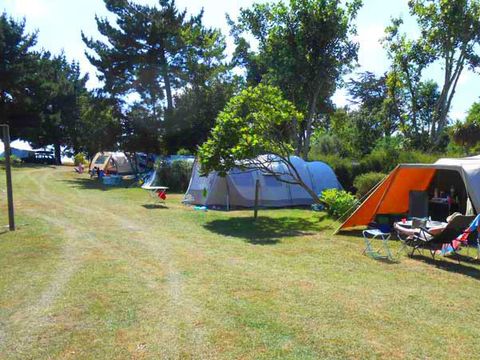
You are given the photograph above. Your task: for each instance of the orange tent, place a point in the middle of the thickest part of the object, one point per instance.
(391, 196)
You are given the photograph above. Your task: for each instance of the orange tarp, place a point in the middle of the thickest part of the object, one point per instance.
(392, 195)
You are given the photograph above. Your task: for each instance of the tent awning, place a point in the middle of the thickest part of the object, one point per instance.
(392, 195)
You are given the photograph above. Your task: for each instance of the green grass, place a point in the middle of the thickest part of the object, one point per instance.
(96, 272)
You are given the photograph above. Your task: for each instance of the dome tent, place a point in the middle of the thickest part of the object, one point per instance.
(112, 162)
(237, 188)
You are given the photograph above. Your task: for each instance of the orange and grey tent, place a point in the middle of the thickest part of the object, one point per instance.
(391, 196)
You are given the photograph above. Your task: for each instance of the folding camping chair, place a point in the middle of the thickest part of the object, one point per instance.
(435, 242)
(371, 234)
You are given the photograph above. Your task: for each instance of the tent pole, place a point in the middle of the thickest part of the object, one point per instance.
(370, 193)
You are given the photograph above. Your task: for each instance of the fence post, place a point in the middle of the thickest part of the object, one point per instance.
(8, 173)
(255, 208)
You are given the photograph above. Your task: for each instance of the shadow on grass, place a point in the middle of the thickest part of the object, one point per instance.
(154, 206)
(450, 266)
(94, 184)
(264, 230)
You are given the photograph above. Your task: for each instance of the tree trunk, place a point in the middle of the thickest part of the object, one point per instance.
(58, 154)
(166, 79)
(309, 120)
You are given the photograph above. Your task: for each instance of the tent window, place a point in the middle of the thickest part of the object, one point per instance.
(101, 159)
(243, 179)
(271, 181)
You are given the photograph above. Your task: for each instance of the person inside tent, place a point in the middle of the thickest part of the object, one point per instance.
(410, 232)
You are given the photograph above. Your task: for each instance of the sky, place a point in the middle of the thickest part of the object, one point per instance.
(60, 22)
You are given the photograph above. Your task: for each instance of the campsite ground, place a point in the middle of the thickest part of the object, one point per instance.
(98, 272)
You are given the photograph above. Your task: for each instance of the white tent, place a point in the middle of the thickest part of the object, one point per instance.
(112, 162)
(237, 188)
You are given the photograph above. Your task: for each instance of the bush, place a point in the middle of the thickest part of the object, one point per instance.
(14, 160)
(175, 175)
(338, 202)
(415, 156)
(365, 182)
(385, 160)
(79, 159)
(184, 152)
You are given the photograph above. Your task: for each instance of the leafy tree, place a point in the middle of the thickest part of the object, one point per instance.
(55, 92)
(141, 131)
(99, 128)
(304, 48)
(195, 112)
(449, 34)
(467, 134)
(17, 62)
(255, 122)
(153, 50)
(161, 55)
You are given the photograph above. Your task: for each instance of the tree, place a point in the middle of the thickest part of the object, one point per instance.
(195, 112)
(54, 95)
(153, 51)
(467, 134)
(370, 93)
(141, 131)
(304, 48)
(17, 62)
(99, 128)
(449, 34)
(258, 121)
(161, 55)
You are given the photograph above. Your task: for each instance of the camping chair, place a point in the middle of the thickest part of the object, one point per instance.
(435, 242)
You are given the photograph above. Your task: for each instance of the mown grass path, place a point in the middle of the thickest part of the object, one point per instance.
(98, 272)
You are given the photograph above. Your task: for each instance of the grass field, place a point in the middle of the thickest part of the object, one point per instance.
(96, 273)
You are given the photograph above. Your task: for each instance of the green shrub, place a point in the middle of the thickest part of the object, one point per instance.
(184, 152)
(365, 182)
(175, 175)
(385, 160)
(14, 160)
(415, 156)
(338, 202)
(79, 159)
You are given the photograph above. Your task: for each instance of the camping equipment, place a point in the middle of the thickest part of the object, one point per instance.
(156, 192)
(371, 234)
(435, 243)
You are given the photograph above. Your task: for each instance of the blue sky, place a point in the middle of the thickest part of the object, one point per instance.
(59, 23)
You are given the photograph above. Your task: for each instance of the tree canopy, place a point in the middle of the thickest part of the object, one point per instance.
(257, 121)
(304, 48)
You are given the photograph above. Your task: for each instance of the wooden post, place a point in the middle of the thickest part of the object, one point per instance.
(8, 173)
(255, 207)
